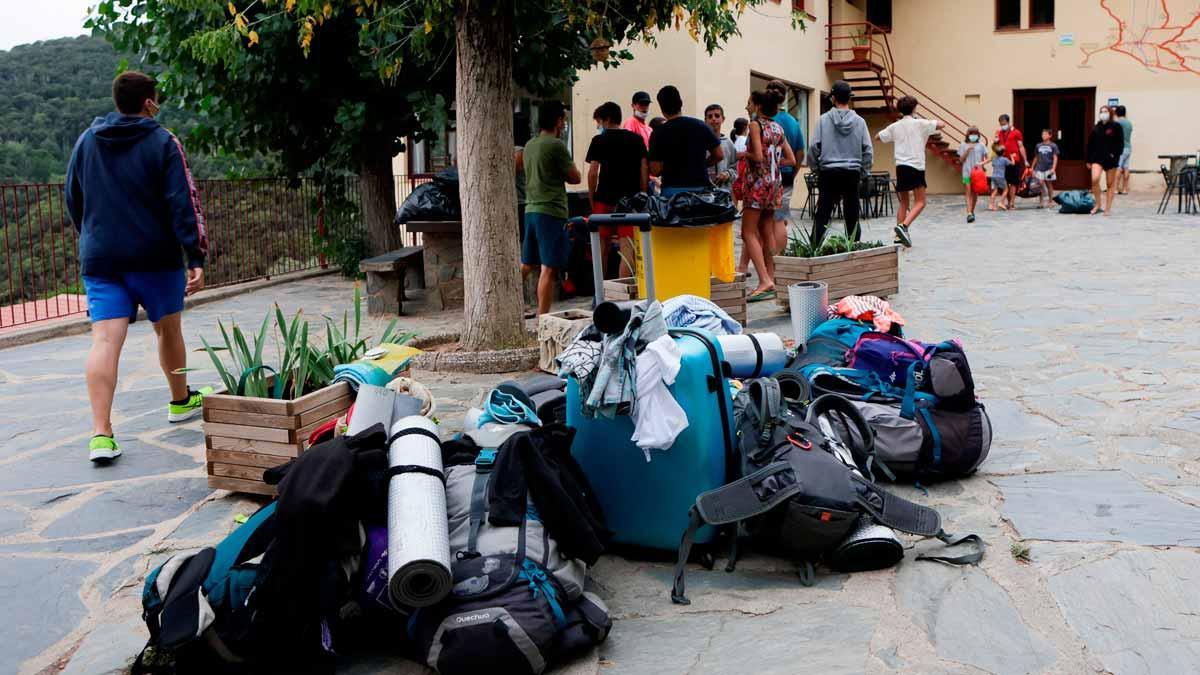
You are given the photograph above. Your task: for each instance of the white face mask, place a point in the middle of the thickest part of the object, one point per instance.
(641, 115)
(1003, 127)
(1103, 117)
(974, 138)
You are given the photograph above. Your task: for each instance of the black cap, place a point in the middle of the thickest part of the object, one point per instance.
(842, 91)
(642, 97)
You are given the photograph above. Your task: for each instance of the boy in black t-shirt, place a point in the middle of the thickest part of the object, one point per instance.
(617, 168)
(682, 149)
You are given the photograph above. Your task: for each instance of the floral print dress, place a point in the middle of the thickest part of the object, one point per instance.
(761, 185)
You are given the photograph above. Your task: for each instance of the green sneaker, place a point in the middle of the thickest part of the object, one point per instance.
(182, 412)
(103, 449)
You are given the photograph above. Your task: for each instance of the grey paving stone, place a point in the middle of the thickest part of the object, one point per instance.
(1010, 422)
(1188, 422)
(1136, 610)
(142, 400)
(61, 467)
(109, 649)
(970, 619)
(184, 437)
(124, 571)
(101, 544)
(128, 506)
(1096, 506)
(27, 433)
(40, 604)
(214, 520)
(783, 641)
(12, 521)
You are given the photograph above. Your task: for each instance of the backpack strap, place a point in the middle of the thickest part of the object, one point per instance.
(934, 436)
(483, 472)
(758, 355)
(765, 402)
(900, 514)
(744, 498)
(952, 540)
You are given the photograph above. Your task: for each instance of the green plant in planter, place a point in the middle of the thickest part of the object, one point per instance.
(803, 245)
(860, 37)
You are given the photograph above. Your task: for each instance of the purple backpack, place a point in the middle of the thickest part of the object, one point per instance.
(886, 355)
(940, 369)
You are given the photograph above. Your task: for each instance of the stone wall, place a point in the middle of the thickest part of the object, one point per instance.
(443, 270)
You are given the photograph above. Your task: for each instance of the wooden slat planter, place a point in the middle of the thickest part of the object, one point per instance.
(875, 271)
(243, 435)
(730, 297)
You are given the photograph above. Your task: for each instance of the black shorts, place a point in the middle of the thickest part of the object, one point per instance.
(908, 178)
(1012, 174)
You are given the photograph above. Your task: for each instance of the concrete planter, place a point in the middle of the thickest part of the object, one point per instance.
(875, 271)
(489, 361)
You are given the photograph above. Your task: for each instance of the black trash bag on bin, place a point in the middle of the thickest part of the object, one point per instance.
(447, 180)
(685, 209)
(432, 201)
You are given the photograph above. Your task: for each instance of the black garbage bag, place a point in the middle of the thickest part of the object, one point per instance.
(685, 209)
(447, 180)
(1075, 201)
(429, 201)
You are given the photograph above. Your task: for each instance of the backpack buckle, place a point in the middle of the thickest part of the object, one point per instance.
(485, 459)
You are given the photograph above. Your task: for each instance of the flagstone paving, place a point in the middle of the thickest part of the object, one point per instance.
(1082, 338)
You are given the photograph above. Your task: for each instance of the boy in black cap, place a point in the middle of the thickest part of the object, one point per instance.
(841, 153)
(637, 121)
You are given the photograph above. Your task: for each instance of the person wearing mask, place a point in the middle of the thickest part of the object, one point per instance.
(841, 153)
(1014, 148)
(909, 134)
(617, 168)
(762, 188)
(1104, 148)
(795, 139)
(1045, 166)
(682, 149)
(637, 120)
(971, 153)
(132, 199)
(723, 173)
(1126, 153)
(548, 168)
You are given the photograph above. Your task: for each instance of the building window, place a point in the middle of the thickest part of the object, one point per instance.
(1041, 13)
(1008, 14)
(798, 6)
(879, 12)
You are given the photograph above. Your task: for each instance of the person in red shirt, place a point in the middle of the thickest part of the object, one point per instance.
(1014, 148)
(637, 121)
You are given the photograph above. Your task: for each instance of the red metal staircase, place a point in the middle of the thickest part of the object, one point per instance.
(861, 53)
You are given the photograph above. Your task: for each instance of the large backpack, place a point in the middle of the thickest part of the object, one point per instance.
(831, 340)
(939, 369)
(518, 604)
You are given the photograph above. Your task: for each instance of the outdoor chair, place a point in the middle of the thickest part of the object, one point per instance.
(1184, 186)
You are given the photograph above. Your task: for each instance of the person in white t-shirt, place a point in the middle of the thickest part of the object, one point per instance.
(909, 135)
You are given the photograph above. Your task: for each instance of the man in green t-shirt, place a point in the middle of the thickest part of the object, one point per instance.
(548, 167)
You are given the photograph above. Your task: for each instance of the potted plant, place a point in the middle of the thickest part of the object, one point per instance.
(848, 267)
(269, 407)
(862, 45)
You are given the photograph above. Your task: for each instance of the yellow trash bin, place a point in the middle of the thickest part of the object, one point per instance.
(682, 261)
(721, 252)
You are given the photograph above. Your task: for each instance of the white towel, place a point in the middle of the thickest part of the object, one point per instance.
(658, 419)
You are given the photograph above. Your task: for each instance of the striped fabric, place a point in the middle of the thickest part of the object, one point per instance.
(867, 308)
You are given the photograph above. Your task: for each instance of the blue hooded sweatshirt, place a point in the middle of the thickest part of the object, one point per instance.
(132, 198)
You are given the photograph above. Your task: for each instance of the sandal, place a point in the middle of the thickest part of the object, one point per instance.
(768, 294)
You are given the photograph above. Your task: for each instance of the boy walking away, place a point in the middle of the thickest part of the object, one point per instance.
(1014, 148)
(1123, 162)
(616, 169)
(909, 134)
(841, 153)
(682, 149)
(637, 121)
(1044, 167)
(131, 197)
(1000, 167)
(723, 173)
(971, 153)
(548, 168)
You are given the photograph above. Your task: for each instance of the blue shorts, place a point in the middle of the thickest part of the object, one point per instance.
(546, 242)
(118, 297)
(1123, 162)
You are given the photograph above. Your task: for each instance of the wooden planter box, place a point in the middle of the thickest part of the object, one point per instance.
(730, 297)
(244, 435)
(875, 271)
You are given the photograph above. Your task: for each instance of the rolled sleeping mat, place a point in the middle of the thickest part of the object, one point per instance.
(610, 317)
(536, 384)
(869, 546)
(753, 355)
(808, 303)
(793, 386)
(372, 405)
(418, 532)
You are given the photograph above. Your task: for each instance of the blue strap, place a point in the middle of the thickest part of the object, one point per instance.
(937, 437)
(483, 468)
(909, 404)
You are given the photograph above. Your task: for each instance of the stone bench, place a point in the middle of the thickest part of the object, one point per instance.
(387, 277)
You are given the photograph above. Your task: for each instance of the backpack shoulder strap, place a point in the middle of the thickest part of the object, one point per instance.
(479, 489)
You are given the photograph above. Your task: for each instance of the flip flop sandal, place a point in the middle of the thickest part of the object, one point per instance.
(761, 295)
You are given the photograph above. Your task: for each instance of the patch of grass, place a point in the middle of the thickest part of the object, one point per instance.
(1020, 551)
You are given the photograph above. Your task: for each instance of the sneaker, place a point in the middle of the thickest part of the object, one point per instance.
(103, 449)
(182, 412)
(970, 217)
(902, 236)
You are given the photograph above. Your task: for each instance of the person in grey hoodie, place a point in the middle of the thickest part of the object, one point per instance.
(840, 152)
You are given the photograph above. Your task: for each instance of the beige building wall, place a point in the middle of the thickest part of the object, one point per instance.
(973, 69)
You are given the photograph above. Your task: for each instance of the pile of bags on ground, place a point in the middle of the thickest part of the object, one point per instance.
(472, 553)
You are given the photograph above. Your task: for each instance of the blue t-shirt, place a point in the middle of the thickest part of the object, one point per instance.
(792, 132)
(999, 164)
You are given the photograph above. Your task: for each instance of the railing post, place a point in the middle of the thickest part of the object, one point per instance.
(321, 227)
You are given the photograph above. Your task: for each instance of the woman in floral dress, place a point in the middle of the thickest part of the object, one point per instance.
(761, 188)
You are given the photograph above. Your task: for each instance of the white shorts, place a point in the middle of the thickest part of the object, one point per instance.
(1044, 175)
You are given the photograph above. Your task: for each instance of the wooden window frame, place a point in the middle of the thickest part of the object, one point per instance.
(996, 18)
(867, 17)
(1042, 26)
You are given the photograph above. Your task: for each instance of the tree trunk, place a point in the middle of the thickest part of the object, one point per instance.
(491, 276)
(378, 193)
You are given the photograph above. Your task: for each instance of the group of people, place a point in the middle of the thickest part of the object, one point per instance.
(1109, 148)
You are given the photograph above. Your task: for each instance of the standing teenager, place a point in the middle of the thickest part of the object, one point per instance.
(1104, 148)
(909, 135)
(637, 119)
(616, 169)
(1126, 152)
(682, 148)
(971, 153)
(1045, 167)
(840, 152)
(762, 186)
(131, 196)
(1014, 149)
(548, 168)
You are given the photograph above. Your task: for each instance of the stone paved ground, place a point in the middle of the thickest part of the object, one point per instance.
(1080, 334)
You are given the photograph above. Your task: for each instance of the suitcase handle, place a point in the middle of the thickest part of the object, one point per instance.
(594, 223)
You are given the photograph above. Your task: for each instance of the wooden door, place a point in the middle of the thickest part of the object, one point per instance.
(1069, 114)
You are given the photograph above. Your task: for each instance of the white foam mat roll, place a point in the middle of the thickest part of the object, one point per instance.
(808, 302)
(754, 355)
(418, 536)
